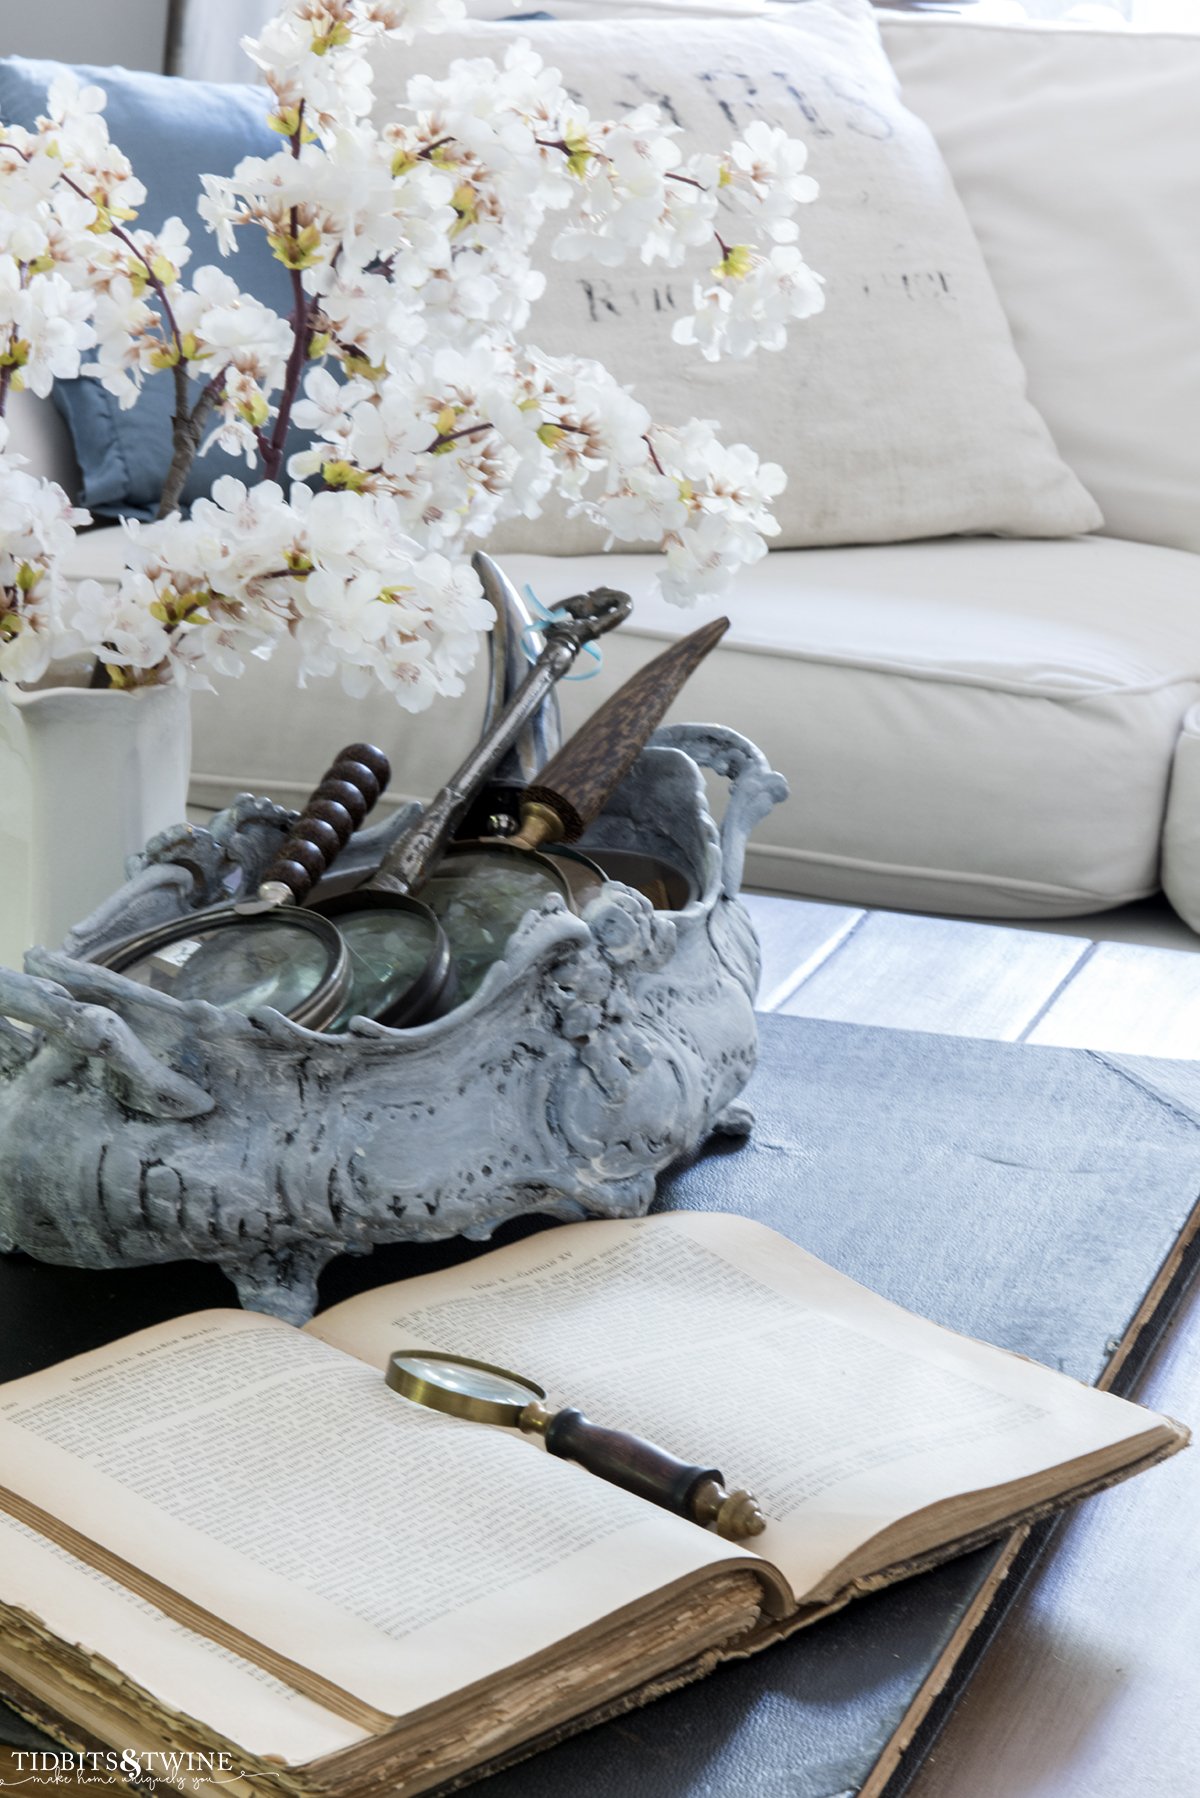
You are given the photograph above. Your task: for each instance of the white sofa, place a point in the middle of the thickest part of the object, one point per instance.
(979, 725)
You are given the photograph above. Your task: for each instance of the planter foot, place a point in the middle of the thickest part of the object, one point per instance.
(736, 1120)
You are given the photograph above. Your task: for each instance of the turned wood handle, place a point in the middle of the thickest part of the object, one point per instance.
(627, 1461)
(576, 784)
(335, 809)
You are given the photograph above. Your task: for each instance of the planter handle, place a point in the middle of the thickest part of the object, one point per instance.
(147, 1084)
(755, 787)
(513, 634)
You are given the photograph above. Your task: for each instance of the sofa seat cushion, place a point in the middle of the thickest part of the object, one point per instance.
(970, 725)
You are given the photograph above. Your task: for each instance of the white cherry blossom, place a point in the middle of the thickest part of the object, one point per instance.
(751, 304)
(412, 237)
(765, 171)
(37, 525)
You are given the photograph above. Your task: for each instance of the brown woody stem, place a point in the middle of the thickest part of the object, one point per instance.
(271, 449)
(302, 310)
(187, 429)
(446, 437)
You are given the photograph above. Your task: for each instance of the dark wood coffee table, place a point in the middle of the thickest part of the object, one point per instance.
(1089, 1689)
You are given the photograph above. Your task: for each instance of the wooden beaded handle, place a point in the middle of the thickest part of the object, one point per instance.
(335, 809)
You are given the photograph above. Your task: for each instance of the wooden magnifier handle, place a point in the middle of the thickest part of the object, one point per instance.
(335, 809)
(641, 1467)
(576, 784)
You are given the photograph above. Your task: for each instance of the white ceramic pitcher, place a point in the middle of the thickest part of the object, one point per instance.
(85, 779)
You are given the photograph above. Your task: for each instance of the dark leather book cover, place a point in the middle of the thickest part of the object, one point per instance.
(1042, 1199)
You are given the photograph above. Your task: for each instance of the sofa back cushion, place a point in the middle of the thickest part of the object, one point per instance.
(898, 412)
(1077, 155)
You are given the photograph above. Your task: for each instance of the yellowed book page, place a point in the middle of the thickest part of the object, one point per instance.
(727, 1344)
(182, 1671)
(279, 1485)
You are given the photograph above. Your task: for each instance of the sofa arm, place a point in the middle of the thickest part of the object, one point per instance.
(38, 431)
(1181, 828)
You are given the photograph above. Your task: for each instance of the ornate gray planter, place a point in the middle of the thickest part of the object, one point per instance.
(135, 1128)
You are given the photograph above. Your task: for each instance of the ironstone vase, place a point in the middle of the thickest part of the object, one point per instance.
(86, 779)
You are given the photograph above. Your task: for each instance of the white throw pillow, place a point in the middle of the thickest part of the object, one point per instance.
(1077, 155)
(898, 412)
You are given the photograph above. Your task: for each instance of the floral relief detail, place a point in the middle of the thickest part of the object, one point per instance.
(410, 235)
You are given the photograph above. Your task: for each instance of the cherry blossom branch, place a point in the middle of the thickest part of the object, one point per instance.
(445, 437)
(303, 311)
(152, 279)
(271, 449)
(187, 421)
(7, 368)
(560, 143)
(187, 431)
(690, 181)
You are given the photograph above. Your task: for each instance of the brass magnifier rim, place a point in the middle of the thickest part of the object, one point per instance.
(454, 1403)
(322, 1003)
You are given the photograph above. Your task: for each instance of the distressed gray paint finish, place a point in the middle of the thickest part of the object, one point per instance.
(135, 1128)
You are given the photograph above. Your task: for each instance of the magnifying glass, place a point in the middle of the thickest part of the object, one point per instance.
(483, 1393)
(378, 950)
(480, 891)
(269, 949)
(668, 886)
(402, 966)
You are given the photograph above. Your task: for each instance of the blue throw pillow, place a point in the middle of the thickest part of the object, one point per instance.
(172, 131)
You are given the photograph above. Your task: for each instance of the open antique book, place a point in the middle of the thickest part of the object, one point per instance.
(226, 1535)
